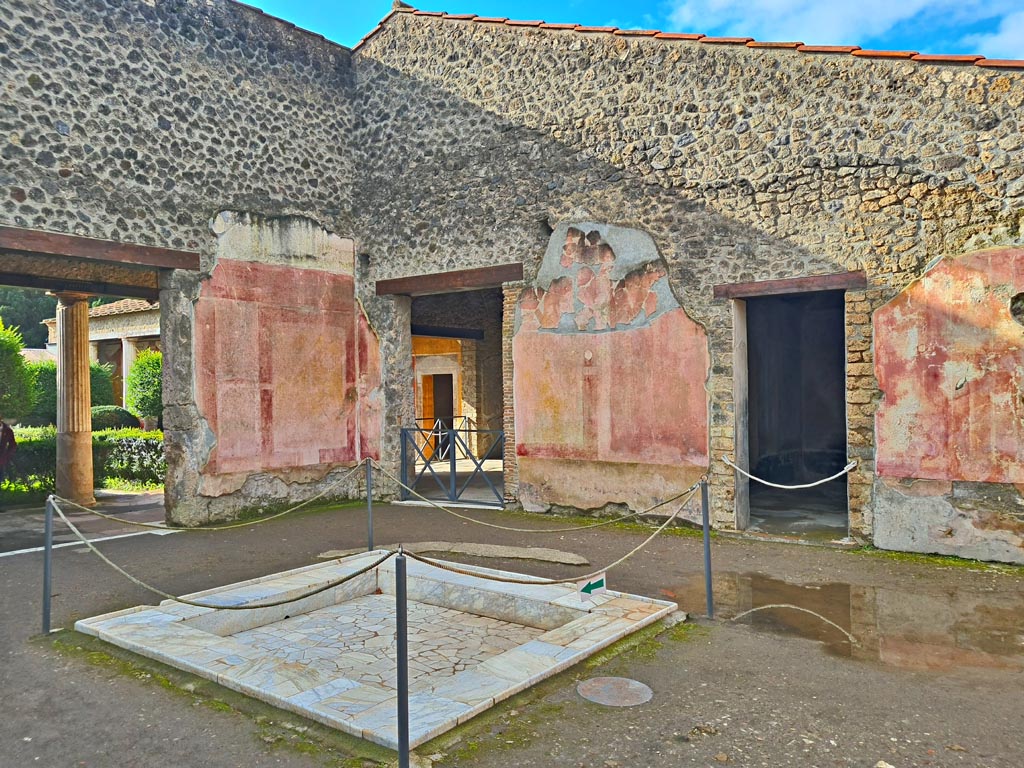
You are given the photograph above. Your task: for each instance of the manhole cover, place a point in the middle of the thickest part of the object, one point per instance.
(614, 691)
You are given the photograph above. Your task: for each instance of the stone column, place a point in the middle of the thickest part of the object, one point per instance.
(128, 353)
(74, 420)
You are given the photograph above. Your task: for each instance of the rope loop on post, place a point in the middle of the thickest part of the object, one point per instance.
(469, 519)
(211, 529)
(247, 607)
(849, 467)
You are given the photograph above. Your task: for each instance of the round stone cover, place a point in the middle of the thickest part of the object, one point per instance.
(615, 691)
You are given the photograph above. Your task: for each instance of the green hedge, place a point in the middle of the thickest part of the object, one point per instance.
(112, 417)
(45, 411)
(129, 454)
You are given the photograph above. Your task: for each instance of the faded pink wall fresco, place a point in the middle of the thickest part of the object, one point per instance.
(949, 357)
(608, 370)
(287, 369)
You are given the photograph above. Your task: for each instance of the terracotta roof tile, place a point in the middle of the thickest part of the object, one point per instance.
(1001, 63)
(122, 307)
(828, 48)
(932, 58)
(749, 42)
(678, 36)
(756, 44)
(885, 54)
(727, 40)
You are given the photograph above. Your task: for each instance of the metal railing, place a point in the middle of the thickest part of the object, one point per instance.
(433, 451)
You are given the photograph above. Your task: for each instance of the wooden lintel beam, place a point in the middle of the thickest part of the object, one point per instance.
(440, 332)
(34, 241)
(833, 282)
(79, 286)
(447, 282)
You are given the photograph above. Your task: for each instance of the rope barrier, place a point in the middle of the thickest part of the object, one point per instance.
(210, 529)
(838, 474)
(851, 638)
(249, 606)
(538, 580)
(524, 530)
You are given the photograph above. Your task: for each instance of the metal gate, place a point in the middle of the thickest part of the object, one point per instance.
(451, 460)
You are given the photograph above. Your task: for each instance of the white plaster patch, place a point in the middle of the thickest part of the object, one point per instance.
(290, 241)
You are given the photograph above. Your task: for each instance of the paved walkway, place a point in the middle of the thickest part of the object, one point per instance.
(935, 680)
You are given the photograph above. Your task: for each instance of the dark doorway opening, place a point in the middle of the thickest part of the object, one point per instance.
(796, 364)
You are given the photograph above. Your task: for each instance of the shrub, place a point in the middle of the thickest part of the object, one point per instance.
(17, 380)
(45, 411)
(130, 454)
(112, 417)
(145, 384)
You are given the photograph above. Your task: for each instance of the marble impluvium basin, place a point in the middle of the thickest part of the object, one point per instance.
(331, 657)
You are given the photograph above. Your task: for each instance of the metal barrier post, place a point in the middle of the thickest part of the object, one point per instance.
(47, 565)
(402, 632)
(369, 505)
(705, 513)
(453, 494)
(404, 473)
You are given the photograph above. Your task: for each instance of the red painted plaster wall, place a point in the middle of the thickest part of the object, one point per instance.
(609, 384)
(949, 357)
(287, 369)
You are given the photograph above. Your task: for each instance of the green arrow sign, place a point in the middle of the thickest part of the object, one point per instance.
(593, 586)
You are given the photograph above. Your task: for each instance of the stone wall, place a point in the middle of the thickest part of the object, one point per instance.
(140, 122)
(742, 164)
(447, 144)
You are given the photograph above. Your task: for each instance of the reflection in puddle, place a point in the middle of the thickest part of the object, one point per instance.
(941, 630)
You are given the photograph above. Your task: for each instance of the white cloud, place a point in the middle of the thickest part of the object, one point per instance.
(1006, 43)
(857, 22)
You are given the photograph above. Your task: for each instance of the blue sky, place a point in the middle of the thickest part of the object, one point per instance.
(994, 28)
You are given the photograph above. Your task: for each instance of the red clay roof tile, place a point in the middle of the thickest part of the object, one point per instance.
(524, 23)
(935, 58)
(678, 36)
(727, 40)
(489, 20)
(557, 26)
(756, 44)
(885, 54)
(828, 48)
(428, 13)
(1000, 63)
(581, 28)
(460, 16)
(637, 32)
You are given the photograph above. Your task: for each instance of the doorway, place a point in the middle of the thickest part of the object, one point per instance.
(796, 412)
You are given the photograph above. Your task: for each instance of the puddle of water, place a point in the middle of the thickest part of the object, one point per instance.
(939, 630)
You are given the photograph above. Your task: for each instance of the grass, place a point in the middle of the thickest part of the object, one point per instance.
(940, 561)
(131, 486)
(16, 494)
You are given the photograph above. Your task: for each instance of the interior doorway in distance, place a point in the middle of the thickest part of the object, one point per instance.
(458, 396)
(796, 368)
